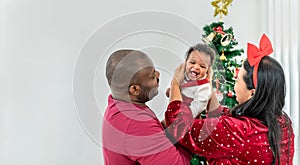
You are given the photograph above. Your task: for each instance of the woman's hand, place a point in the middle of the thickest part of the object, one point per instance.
(214, 104)
(209, 74)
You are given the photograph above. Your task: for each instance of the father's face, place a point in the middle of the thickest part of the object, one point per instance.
(149, 82)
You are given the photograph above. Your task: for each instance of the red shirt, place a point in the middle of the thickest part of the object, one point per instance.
(132, 134)
(226, 139)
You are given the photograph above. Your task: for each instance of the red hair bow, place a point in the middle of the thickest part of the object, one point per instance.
(255, 54)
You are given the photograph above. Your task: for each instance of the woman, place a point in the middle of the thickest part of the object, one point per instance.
(257, 131)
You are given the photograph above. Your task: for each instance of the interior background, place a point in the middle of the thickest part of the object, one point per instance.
(43, 123)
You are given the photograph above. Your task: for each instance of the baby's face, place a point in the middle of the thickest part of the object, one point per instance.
(197, 65)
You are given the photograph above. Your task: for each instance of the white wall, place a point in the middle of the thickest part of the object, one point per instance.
(44, 43)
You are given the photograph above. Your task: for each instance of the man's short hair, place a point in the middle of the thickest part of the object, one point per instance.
(122, 66)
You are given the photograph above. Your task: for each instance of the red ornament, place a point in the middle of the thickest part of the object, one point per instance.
(236, 72)
(219, 29)
(230, 94)
(218, 93)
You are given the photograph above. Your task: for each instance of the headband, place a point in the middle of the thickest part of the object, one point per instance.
(255, 54)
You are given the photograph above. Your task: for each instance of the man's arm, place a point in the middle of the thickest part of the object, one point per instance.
(151, 145)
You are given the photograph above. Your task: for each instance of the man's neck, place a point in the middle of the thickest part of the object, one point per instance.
(128, 99)
(138, 103)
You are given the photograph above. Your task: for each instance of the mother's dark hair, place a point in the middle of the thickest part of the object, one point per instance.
(268, 100)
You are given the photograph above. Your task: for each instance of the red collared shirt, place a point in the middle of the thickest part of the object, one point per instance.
(132, 134)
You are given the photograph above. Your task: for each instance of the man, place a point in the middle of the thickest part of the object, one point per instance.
(131, 133)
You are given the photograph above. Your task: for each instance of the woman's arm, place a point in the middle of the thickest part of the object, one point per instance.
(214, 103)
(217, 137)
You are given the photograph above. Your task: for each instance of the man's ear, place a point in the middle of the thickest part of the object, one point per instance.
(134, 90)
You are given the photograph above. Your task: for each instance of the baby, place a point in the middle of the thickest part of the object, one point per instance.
(196, 87)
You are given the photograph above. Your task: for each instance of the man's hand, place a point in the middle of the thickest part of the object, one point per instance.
(179, 74)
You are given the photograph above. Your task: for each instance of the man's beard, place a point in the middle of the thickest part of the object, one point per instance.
(147, 94)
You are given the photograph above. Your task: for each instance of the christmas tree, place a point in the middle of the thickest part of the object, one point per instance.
(227, 61)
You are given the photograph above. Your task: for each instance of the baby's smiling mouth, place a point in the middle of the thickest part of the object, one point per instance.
(194, 74)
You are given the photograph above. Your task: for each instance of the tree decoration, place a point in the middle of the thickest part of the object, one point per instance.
(223, 57)
(236, 72)
(227, 61)
(218, 93)
(230, 94)
(221, 7)
(225, 40)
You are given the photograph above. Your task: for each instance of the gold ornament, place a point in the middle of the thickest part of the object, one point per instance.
(209, 38)
(226, 39)
(222, 8)
(223, 57)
